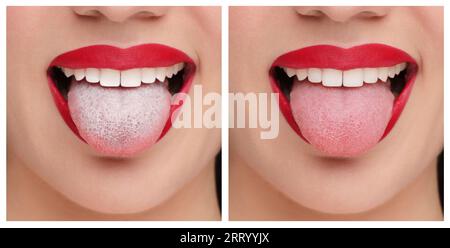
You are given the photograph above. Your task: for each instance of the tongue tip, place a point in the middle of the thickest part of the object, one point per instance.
(127, 148)
(124, 152)
(348, 151)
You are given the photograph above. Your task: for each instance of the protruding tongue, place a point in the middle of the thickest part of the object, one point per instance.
(342, 122)
(119, 121)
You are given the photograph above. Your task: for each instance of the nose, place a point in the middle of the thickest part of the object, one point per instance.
(120, 14)
(343, 14)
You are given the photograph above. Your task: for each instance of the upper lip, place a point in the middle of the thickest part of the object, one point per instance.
(105, 56)
(328, 56)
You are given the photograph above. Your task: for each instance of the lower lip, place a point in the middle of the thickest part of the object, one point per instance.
(105, 56)
(326, 56)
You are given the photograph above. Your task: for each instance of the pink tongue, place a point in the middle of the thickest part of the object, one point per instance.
(342, 122)
(119, 121)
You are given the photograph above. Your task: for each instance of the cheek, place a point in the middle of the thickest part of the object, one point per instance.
(427, 109)
(31, 111)
(253, 47)
(29, 26)
(430, 86)
(245, 27)
(209, 19)
(19, 20)
(205, 33)
(432, 20)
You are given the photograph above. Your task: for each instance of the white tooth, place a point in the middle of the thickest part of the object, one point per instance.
(370, 75)
(148, 75)
(353, 78)
(315, 75)
(79, 74)
(331, 77)
(302, 74)
(383, 73)
(92, 75)
(179, 67)
(130, 78)
(170, 71)
(109, 78)
(399, 67)
(68, 72)
(160, 73)
(289, 71)
(391, 71)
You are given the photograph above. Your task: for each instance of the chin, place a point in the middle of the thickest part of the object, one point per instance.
(340, 201)
(118, 202)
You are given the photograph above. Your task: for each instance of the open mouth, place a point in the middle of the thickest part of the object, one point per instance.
(119, 101)
(343, 101)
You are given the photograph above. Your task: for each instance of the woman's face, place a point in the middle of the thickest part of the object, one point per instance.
(363, 180)
(39, 137)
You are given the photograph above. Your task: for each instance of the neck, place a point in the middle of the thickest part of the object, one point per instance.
(30, 198)
(252, 198)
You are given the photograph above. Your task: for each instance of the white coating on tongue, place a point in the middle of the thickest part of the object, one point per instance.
(119, 121)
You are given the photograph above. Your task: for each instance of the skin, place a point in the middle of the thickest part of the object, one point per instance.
(53, 175)
(287, 179)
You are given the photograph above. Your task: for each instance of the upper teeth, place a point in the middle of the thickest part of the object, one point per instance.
(349, 78)
(125, 78)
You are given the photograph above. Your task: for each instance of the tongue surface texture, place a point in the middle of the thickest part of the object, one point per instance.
(342, 122)
(119, 121)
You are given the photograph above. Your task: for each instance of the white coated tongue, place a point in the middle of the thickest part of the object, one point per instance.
(119, 121)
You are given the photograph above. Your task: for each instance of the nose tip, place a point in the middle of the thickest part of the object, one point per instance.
(343, 14)
(121, 14)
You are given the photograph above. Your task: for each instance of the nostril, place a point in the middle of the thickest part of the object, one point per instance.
(314, 13)
(87, 12)
(342, 14)
(146, 15)
(369, 15)
(120, 14)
